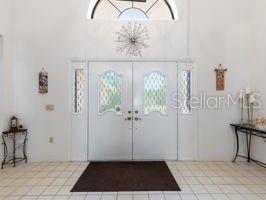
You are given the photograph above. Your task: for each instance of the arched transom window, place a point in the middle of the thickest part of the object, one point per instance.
(133, 9)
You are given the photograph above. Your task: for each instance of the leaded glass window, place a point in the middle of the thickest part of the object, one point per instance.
(79, 85)
(155, 93)
(186, 91)
(133, 10)
(110, 92)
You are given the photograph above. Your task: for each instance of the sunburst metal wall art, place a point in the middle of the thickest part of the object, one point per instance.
(131, 39)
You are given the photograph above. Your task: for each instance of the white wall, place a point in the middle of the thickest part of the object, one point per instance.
(221, 32)
(258, 72)
(6, 83)
(49, 33)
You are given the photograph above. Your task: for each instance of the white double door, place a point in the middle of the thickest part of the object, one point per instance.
(131, 112)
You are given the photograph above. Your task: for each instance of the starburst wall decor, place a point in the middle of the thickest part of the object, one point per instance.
(131, 40)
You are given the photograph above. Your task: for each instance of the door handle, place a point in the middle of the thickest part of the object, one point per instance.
(128, 119)
(137, 119)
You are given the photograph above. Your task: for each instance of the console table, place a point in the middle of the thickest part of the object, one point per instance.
(250, 132)
(12, 135)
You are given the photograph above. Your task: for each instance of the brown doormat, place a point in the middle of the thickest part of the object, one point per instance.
(126, 176)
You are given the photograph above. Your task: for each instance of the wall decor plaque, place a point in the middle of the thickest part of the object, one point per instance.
(43, 82)
(220, 77)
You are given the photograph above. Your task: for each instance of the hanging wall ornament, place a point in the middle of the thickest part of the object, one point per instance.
(131, 39)
(43, 82)
(220, 78)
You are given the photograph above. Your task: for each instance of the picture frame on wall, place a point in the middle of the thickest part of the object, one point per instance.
(43, 82)
(220, 78)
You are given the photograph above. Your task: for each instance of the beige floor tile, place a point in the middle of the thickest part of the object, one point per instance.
(251, 196)
(29, 198)
(93, 197)
(198, 189)
(204, 197)
(262, 196)
(33, 181)
(205, 180)
(6, 182)
(125, 193)
(198, 173)
(77, 197)
(21, 190)
(108, 197)
(258, 189)
(66, 174)
(51, 190)
(156, 197)
(220, 197)
(45, 197)
(140, 197)
(65, 190)
(36, 190)
(172, 197)
(218, 180)
(77, 174)
(7, 190)
(53, 174)
(95, 193)
(244, 180)
(235, 197)
(46, 181)
(213, 189)
(201, 180)
(19, 182)
(185, 189)
(188, 197)
(192, 180)
(79, 193)
(231, 180)
(125, 197)
(12, 198)
(61, 197)
(71, 181)
(227, 189)
(59, 181)
(242, 189)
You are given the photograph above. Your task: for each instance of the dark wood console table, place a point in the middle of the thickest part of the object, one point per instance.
(249, 131)
(12, 134)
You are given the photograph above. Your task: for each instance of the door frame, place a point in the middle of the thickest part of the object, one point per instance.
(88, 61)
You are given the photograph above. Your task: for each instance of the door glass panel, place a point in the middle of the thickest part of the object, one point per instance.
(110, 85)
(79, 91)
(186, 91)
(155, 93)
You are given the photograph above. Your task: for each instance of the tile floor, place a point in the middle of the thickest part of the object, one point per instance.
(198, 181)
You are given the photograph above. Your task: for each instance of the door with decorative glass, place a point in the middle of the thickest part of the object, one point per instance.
(155, 116)
(130, 111)
(110, 99)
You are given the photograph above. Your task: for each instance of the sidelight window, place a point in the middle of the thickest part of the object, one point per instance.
(186, 90)
(79, 91)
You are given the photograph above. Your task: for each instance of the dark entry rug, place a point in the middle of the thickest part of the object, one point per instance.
(126, 176)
